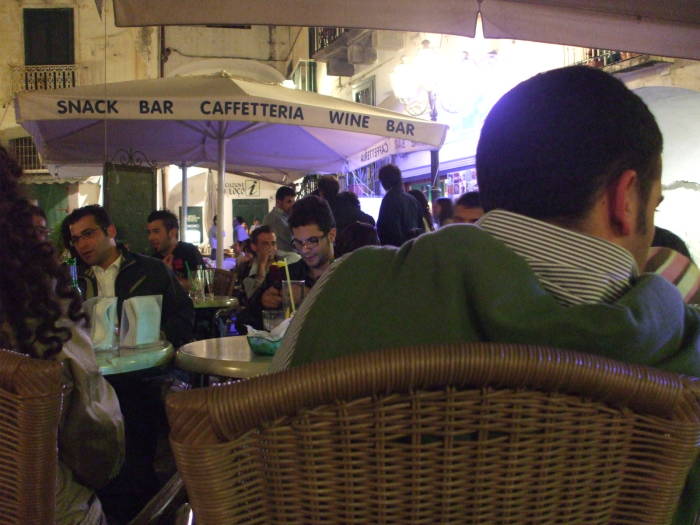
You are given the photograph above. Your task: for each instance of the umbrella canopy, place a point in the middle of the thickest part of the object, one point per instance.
(208, 119)
(669, 28)
(182, 119)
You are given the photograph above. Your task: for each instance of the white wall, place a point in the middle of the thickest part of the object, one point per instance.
(198, 195)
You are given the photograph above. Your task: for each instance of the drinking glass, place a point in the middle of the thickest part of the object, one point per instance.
(271, 318)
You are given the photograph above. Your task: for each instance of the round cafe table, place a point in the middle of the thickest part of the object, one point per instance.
(125, 360)
(222, 356)
(205, 314)
(218, 301)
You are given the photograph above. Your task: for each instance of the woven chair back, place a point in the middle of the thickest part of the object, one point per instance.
(30, 408)
(471, 433)
(224, 281)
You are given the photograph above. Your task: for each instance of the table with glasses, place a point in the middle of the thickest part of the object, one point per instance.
(123, 360)
(222, 356)
(205, 310)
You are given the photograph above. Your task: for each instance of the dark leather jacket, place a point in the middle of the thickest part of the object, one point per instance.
(142, 275)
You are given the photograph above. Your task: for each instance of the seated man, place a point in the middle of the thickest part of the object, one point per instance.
(252, 273)
(313, 235)
(108, 269)
(182, 257)
(467, 209)
(569, 172)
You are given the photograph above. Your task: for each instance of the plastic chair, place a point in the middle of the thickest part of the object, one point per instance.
(30, 410)
(471, 433)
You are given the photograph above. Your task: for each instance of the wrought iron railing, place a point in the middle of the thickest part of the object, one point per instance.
(34, 78)
(320, 37)
(605, 57)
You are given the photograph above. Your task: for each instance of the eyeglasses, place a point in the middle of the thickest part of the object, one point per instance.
(41, 230)
(87, 234)
(310, 242)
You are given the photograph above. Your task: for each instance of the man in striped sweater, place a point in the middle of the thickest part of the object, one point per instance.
(569, 173)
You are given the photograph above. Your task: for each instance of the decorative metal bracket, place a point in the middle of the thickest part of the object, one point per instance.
(132, 157)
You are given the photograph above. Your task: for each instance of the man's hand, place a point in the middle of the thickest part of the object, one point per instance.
(168, 260)
(271, 299)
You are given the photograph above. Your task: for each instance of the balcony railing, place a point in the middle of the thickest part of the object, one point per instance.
(34, 78)
(321, 37)
(601, 58)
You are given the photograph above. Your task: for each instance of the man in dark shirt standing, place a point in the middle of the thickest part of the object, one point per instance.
(400, 215)
(163, 229)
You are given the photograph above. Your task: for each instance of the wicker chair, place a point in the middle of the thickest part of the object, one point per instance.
(472, 433)
(30, 410)
(224, 281)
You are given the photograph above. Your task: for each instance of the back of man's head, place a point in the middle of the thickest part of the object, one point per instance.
(470, 199)
(284, 191)
(169, 219)
(553, 143)
(312, 210)
(328, 187)
(390, 176)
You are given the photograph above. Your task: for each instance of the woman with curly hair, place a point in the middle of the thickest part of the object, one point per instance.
(40, 316)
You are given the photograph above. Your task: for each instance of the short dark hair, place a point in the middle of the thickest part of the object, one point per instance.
(552, 143)
(390, 176)
(98, 212)
(312, 210)
(36, 210)
(328, 185)
(169, 219)
(355, 235)
(349, 197)
(258, 231)
(470, 199)
(283, 192)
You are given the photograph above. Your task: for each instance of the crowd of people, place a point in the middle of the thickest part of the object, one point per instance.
(551, 250)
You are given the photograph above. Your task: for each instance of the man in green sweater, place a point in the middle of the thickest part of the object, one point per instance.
(569, 173)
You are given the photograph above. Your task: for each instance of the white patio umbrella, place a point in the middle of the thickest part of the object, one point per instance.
(206, 120)
(668, 28)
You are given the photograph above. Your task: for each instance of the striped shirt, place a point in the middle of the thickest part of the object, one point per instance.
(574, 267)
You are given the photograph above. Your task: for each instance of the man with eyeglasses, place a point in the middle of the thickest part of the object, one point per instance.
(111, 270)
(313, 235)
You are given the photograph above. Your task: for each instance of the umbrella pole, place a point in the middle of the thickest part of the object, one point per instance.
(220, 204)
(183, 211)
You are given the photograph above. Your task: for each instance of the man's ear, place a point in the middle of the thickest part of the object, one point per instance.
(112, 231)
(331, 235)
(623, 196)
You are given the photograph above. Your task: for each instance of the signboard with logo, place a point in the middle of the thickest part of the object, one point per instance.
(193, 232)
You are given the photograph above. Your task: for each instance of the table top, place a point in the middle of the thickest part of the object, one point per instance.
(125, 360)
(218, 301)
(222, 356)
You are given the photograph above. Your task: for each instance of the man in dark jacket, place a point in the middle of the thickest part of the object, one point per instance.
(113, 271)
(400, 215)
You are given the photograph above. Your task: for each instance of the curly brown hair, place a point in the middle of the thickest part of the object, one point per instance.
(32, 282)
